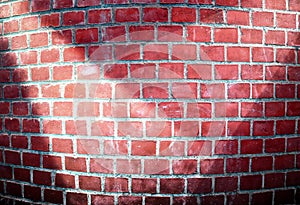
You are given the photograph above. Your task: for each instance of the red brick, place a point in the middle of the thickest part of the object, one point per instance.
(184, 52)
(275, 145)
(18, 141)
(293, 108)
(275, 73)
(126, 200)
(59, 4)
(171, 70)
(38, 40)
(76, 127)
(77, 198)
(170, 33)
(130, 129)
(284, 162)
(158, 128)
(226, 35)
(263, 19)
(292, 178)
(127, 15)
(12, 124)
(22, 174)
(212, 166)
(74, 54)
(212, 91)
(62, 145)
(199, 185)
(275, 37)
(61, 37)
(213, 128)
(13, 189)
(52, 126)
(263, 128)
(101, 165)
(239, 90)
(141, 109)
(171, 186)
(146, 70)
(5, 11)
(184, 90)
(144, 185)
(249, 109)
(62, 108)
(32, 160)
(253, 36)
(29, 57)
(5, 107)
(285, 20)
(114, 33)
(226, 184)
(274, 180)
(157, 200)
(286, 56)
(143, 148)
(261, 163)
(285, 196)
(278, 5)
(155, 14)
(40, 143)
(29, 23)
(236, 128)
(115, 147)
(212, 53)
(116, 109)
(254, 146)
(52, 162)
(250, 182)
(285, 90)
(226, 147)
(19, 42)
(117, 71)
(12, 157)
(40, 73)
(274, 109)
(42, 177)
(198, 110)
(183, 14)
(127, 90)
(293, 74)
(102, 200)
(31, 125)
(20, 75)
(226, 109)
(238, 17)
(51, 91)
(234, 165)
(40, 5)
(293, 144)
(237, 199)
(127, 52)
(131, 166)
(116, 185)
(6, 172)
(49, 20)
(227, 3)
(75, 164)
(171, 148)
(73, 18)
(184, 166)
(238, 54)
(211, 16)
(83, 3)
(156, 166)
(50, 56)
(226, 72)
(98, 16)
(156, 52)
(100, 53)
(170, 109)
(262, 90)
(88, 146)
(40, 108)
(90, 183)
(293, 39)
(141, 33)
(53, 196)
(104, 128)
(21, 7)
(87, 35)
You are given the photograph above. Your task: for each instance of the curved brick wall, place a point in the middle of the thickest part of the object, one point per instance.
(145, 102)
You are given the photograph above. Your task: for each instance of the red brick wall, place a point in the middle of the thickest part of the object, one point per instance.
(148, 102)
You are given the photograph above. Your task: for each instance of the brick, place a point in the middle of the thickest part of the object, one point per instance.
(292, 178)
(29, 23)
(171, 70)
(90, 183)
(141, 33)
(51, 91)
(184, 166)
(236, 199)
(236, 128)
(213, 128)
(21, 7)
(211, 16)
(11, 26)
(275, 73)
(217, 199)
(253, 36)
(278, 5)
(117, 109)
(184, 90)
(286, 56)
(293, 39)
(49, 20)
(50, 56)
(226, 72)
(184, 52)
(227, 3)
(274, 180)
(99, 16)
(88, 146)
(171, 185)
(12, 157)
(250, 146)
(226, 147)
(101, 165)
(156, 166)
(293, 108)
(249, 109)
(212, 91)
(12, 124)
(263, 19)
(263, 90)
(293, 74)
(127, 90)
(13, 189)
(40, 143)
(285, 90)
(127, 52)
(127, 15)
(83, 3)
(18, 42)
(156, 52)
(143, 148)
(169, 33)
(238, 54)
(183, 14)
(261, 163)
(156, 200)
(226, 109)
(52, 126)
(29, 57)
(284, 20)
(76, 127)
(114, 34)
(155, 14)
(31, 125)
(75, 164)
(199, 185)
(52, 162)
(115, 147)
(284, 196)
(22, 174)
(20, 75)
(18, 141)
(142, 110)
(58, 4)
(275, 145)
(5, 107)
(53, 196)
(238, 17)
(131, 166)
(234, 165)
(32, 160)
(61, 37)
(263, 128)
(126, 200)
(11, 91)
(275, 37)
(116, 185)
(102, 200)
(42, 177)
(171, 148)
(88, 109)
(250, 182)
(198, 110)
(170, 110)
(239, 90)
(100, 53)
(40, 5)
(226, 184)
(158, 128)
(144, 185)
(284, 162)
(130, 129)
(293, 144)
(142, 71)
(73, 18)
(104, 128)
(117, 71)
(38, 40)
(87, 35)
(77, 198)
(74, 54)
(226, 35)
(5, 11)
(212, 166)
(212, 53)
